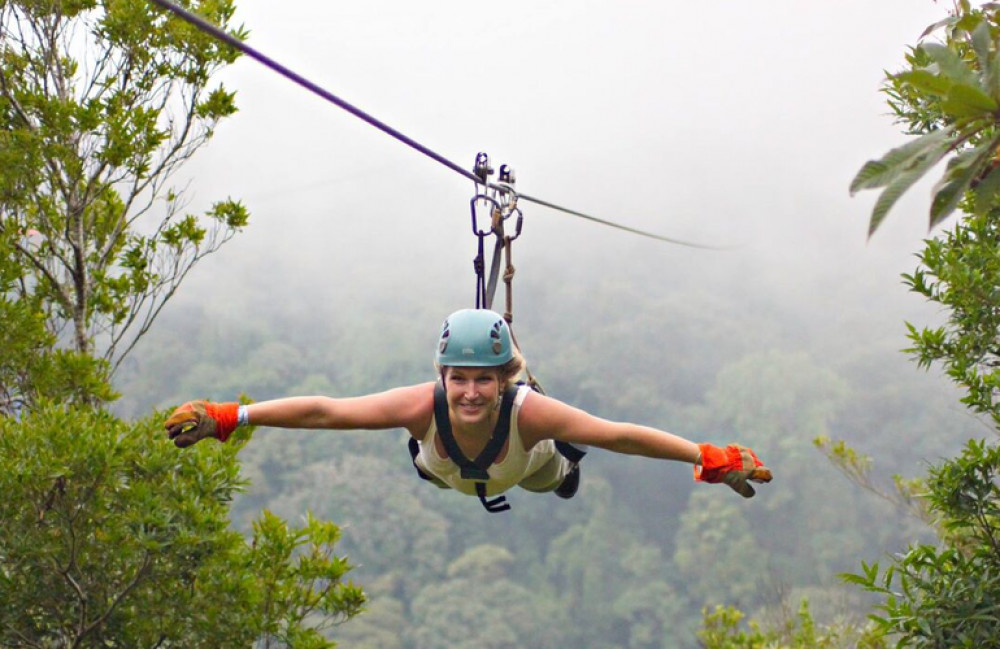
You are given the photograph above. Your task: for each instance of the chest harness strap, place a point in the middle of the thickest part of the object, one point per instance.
(476, 469)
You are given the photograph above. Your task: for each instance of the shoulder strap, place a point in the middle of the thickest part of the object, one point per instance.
(476, 470)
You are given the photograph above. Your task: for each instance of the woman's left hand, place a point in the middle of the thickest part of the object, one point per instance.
(734, 465)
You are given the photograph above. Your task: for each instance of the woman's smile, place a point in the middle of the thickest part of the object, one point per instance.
(472, 391)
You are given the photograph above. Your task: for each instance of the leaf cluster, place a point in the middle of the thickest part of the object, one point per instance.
(302, 580)
(948, 96)
(946, 595)
(961, 272)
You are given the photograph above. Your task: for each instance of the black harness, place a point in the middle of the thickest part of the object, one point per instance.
(477, 469)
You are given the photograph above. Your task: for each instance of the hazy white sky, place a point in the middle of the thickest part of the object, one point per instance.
(723, 122)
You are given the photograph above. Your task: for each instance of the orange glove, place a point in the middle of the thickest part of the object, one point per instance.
(734, 465)
(196, 420)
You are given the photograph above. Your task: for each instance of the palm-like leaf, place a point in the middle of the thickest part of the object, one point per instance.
(902, 160)
(955, 88)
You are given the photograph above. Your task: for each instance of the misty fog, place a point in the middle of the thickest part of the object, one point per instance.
(727, 124)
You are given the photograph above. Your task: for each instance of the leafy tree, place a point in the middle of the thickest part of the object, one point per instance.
(110, 536)
(113, 538)
(961, 272)
(944, 594)
(101, 102)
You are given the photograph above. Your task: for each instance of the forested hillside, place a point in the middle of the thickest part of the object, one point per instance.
(634, 558)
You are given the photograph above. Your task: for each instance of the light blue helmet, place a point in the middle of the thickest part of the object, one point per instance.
(474, 338)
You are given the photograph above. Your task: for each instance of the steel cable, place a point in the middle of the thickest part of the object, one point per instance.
(290, 74)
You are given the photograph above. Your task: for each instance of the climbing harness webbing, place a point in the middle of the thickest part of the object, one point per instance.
(476, 469)
(572, 453)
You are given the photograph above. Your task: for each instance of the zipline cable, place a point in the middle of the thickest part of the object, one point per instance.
(232, 41)
(679, 242)
(293, 76)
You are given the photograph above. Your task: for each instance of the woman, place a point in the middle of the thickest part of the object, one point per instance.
(475, 430)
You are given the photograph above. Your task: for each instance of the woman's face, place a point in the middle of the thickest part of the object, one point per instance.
(473, 393)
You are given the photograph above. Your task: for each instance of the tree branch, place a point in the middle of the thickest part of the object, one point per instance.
(137, 579)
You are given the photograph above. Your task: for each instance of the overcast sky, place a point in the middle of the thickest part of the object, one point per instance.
(725, 123)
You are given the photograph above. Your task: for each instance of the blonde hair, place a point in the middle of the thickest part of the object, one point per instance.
(511, 371)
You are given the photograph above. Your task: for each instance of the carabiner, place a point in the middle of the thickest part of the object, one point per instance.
(517, 226)
(493, 206)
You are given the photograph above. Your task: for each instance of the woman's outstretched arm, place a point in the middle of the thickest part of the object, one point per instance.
(541, 417)
(406, 407)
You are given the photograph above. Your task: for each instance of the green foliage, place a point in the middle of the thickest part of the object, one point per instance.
(101, 102)
(723, 628)
(32, 370)
(300, 582)
(111, 537)
(961, 272)
(32, 367)
(948, 96)
(946, 595)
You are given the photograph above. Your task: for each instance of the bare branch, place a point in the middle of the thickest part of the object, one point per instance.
(64, 299)
(140, 575)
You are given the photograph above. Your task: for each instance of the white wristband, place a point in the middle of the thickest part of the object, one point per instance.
(242, 416)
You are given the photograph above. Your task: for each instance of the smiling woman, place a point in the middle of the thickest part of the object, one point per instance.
(477, 430)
